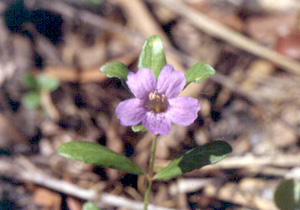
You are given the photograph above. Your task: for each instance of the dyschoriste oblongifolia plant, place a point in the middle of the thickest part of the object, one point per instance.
(154, 107)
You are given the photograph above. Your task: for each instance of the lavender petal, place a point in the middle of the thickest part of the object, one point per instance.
(170, 82)
(130, 112)
(141, 83)
(157, 123)
(183, 110)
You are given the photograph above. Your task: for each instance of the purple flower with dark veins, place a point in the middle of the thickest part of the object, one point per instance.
(157, 103)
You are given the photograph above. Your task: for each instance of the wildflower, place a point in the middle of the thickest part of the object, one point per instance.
(157, 103)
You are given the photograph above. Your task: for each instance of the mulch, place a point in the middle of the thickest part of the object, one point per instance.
(252, 102)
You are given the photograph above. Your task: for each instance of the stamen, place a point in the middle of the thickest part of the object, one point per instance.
(151, 96)
(157, 102)
(157, 98)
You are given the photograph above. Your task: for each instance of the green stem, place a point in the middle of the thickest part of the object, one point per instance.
(147, 195)
(152, 157)
(150, 173)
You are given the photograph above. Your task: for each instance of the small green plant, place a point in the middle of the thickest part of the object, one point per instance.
(89, 206)
(287, 195)
(35, 85)
(156, 105)
(93, 2)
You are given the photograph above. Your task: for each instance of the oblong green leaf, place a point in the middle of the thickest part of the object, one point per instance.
(137, 128)
(199, 72)
(47, 83)
(153, 55)
(29, 81)
(115, 69)
(90, 206)
(287, 195)
(96, 154)
(32, 99)
(195, 158)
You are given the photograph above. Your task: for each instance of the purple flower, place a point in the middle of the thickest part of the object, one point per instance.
(157, 103)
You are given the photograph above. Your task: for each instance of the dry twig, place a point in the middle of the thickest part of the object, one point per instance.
(25, 171)
(236, 39)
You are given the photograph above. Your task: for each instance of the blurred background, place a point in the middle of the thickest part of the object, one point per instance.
(52, 92)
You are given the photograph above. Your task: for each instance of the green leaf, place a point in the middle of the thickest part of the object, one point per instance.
(96, 154)
(195, 158)
(152, 55)
(89, 206)
(137, 128)
(32, 99)
(47, 83)
(287, 195)
(199, 72)
(29, 81)
(115, 69)
(93, 2)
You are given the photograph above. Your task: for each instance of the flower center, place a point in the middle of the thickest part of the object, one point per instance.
(157, 103)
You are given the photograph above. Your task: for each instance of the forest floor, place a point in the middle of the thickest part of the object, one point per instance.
(252, 102)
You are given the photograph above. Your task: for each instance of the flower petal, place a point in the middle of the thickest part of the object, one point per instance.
(141, 83)
(157, 123)
(170, 82)
(131, 112)
(183, 110)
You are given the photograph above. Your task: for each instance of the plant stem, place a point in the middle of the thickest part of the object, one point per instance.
(147, 195)
(152, 157)
(151, 172)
